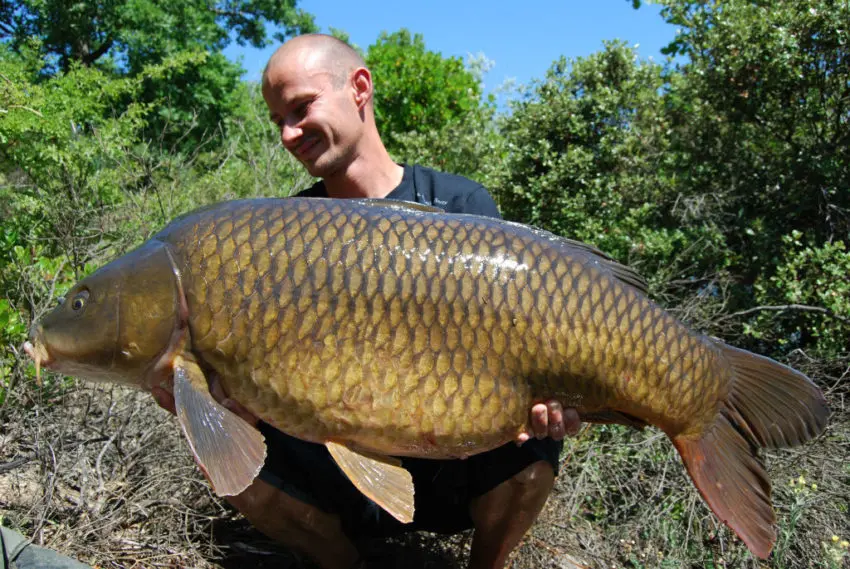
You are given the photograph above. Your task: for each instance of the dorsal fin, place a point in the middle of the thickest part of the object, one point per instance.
(398, 204)
(622, 272)
(625, 273)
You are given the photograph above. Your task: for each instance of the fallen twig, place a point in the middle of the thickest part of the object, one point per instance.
(13, 464)
(784, 308)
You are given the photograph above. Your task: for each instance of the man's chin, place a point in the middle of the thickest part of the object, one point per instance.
(312, 169)
(319, 168)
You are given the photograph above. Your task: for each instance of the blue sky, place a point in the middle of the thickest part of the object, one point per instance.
(522, 39)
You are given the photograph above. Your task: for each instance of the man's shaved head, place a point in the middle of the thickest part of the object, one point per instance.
(318, 52)
(319, 94)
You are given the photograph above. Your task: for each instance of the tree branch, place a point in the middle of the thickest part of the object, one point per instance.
(6, 28)
(98, 53)
(785, 308)
(24, 107)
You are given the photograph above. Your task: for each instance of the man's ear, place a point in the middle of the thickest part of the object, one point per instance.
(361, 82)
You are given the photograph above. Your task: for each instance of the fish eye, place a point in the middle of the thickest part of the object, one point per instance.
(80, 300)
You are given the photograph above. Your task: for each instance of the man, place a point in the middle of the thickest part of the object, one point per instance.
(319, 93)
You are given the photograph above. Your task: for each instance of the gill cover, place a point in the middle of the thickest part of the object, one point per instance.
(115, 323)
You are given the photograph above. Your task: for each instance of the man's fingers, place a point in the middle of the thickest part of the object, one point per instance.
(572, 421)
(538, 424)
(540, 421)
(556, 420)
(551, 420)
(218, 393)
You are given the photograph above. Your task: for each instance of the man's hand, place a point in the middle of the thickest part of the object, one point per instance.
(165, 399)
(551, 420)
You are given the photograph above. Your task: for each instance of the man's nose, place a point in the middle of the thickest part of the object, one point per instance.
(289, 134)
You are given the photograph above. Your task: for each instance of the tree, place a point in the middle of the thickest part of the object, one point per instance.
(587, 151)
(121, 37)
(417, 90)
(760, 144)
(119, 34)
(761, 117)
(429, 108)
(726, 170)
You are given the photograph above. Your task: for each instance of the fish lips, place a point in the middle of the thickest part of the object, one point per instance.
(36, 349)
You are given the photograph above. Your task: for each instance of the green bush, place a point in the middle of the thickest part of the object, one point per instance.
(586, 155)
(808, 298)
(418, 90)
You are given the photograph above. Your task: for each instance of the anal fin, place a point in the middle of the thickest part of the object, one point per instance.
(381, 478)
(230, 451)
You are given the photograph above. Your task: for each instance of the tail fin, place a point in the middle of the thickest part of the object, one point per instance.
(769, 405)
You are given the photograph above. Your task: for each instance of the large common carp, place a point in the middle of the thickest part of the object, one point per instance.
(387, 329)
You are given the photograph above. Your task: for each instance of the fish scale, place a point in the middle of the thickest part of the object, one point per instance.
(333, 284)
(382, 329)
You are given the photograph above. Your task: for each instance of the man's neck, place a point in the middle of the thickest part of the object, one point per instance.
(370, 175)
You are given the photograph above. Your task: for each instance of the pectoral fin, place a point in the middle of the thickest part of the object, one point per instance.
(229, 451)
(380, 478)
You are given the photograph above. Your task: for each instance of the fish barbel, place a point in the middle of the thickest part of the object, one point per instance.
(385, 329)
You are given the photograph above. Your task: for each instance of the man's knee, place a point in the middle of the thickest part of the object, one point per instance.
(296, 524)
(269, 508)
(525, 490)
(536, 477)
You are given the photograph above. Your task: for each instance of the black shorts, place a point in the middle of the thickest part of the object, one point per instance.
(444, 488)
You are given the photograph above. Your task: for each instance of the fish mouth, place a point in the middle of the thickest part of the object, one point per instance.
(37, 351)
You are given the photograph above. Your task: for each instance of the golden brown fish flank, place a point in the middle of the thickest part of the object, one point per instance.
(383, 329)
(363, 312)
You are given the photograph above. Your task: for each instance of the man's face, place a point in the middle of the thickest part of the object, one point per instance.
(319, 124)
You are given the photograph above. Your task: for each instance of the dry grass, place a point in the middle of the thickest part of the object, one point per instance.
(102, 474)
(106, 479)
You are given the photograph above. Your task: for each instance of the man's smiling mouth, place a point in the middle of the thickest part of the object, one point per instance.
(307, 146)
